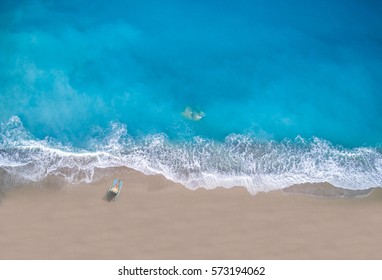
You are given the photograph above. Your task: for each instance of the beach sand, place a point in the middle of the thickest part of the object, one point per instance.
(157, 219)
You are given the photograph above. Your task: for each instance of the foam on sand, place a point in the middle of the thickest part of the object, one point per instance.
(241, 160)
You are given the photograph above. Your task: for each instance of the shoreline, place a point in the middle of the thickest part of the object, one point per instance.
(157, 219)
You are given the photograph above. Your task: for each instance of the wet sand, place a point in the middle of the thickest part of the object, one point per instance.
(157, 219)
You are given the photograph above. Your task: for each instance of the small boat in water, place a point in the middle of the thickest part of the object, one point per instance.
(114, 190)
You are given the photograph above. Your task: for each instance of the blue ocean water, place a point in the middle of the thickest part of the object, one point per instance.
(263, 94)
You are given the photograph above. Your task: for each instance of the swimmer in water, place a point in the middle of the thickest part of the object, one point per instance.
(188, 113)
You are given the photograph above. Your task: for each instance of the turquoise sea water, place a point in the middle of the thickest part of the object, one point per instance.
(264, 94)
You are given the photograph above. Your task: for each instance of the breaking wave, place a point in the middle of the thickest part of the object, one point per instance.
(239, 160)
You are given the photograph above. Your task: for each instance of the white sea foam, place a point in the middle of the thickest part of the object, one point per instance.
(241, 160)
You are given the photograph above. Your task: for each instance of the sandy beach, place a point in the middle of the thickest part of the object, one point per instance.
(157, 219)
